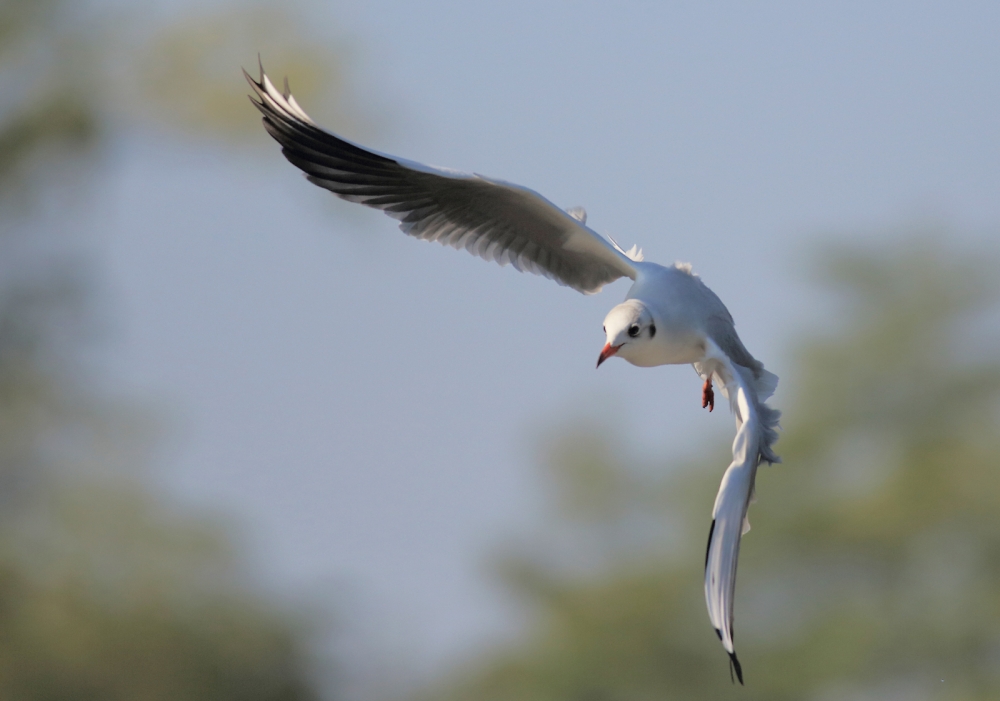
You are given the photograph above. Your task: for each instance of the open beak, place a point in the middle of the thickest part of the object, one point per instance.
(606, 352)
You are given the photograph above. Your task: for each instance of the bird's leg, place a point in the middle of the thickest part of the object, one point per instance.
(707, 395)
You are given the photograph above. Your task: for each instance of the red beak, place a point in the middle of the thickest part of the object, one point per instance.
(606, 352)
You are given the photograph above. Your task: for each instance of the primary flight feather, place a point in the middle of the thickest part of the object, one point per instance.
(668, 317)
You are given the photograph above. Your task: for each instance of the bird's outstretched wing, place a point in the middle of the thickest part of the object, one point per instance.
(492, 219)
(756, 432)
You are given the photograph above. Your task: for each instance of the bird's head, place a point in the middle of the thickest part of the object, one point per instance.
(630, 328)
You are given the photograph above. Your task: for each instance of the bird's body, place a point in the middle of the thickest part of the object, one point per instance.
(669, 316)
(675, 297)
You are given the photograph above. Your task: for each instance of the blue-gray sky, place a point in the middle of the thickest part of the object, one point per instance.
(367, 403)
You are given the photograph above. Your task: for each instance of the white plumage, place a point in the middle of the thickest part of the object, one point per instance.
(668, 317)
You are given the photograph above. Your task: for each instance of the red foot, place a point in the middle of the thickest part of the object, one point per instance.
(707, 395)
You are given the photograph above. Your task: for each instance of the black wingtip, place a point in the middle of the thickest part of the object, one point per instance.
(708, 549)
(257, 88)
(734, 664)
(250, 78)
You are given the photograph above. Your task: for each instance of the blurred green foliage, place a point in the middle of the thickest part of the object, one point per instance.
(188, 76)
(107, 591)
(873, 566)
(107, 594)
(872, 570)
(42, 107)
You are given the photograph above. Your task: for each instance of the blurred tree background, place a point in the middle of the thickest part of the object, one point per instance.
(873, 564)
(106, 591)
(871, 570)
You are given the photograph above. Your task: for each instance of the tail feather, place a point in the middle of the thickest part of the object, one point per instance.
(765, 383)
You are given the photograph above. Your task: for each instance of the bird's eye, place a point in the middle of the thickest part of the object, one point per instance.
(604, 328)
(633, 330)
(652, 330)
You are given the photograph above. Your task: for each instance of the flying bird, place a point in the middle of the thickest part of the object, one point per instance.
(669, 316)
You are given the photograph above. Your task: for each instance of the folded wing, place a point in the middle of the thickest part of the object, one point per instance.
(756, 432)
(492, 219)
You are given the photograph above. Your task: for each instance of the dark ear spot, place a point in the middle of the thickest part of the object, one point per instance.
(652, 330)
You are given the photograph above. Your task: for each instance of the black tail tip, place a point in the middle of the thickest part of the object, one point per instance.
(734, 664)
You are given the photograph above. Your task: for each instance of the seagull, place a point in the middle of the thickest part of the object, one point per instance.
(669, 316)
